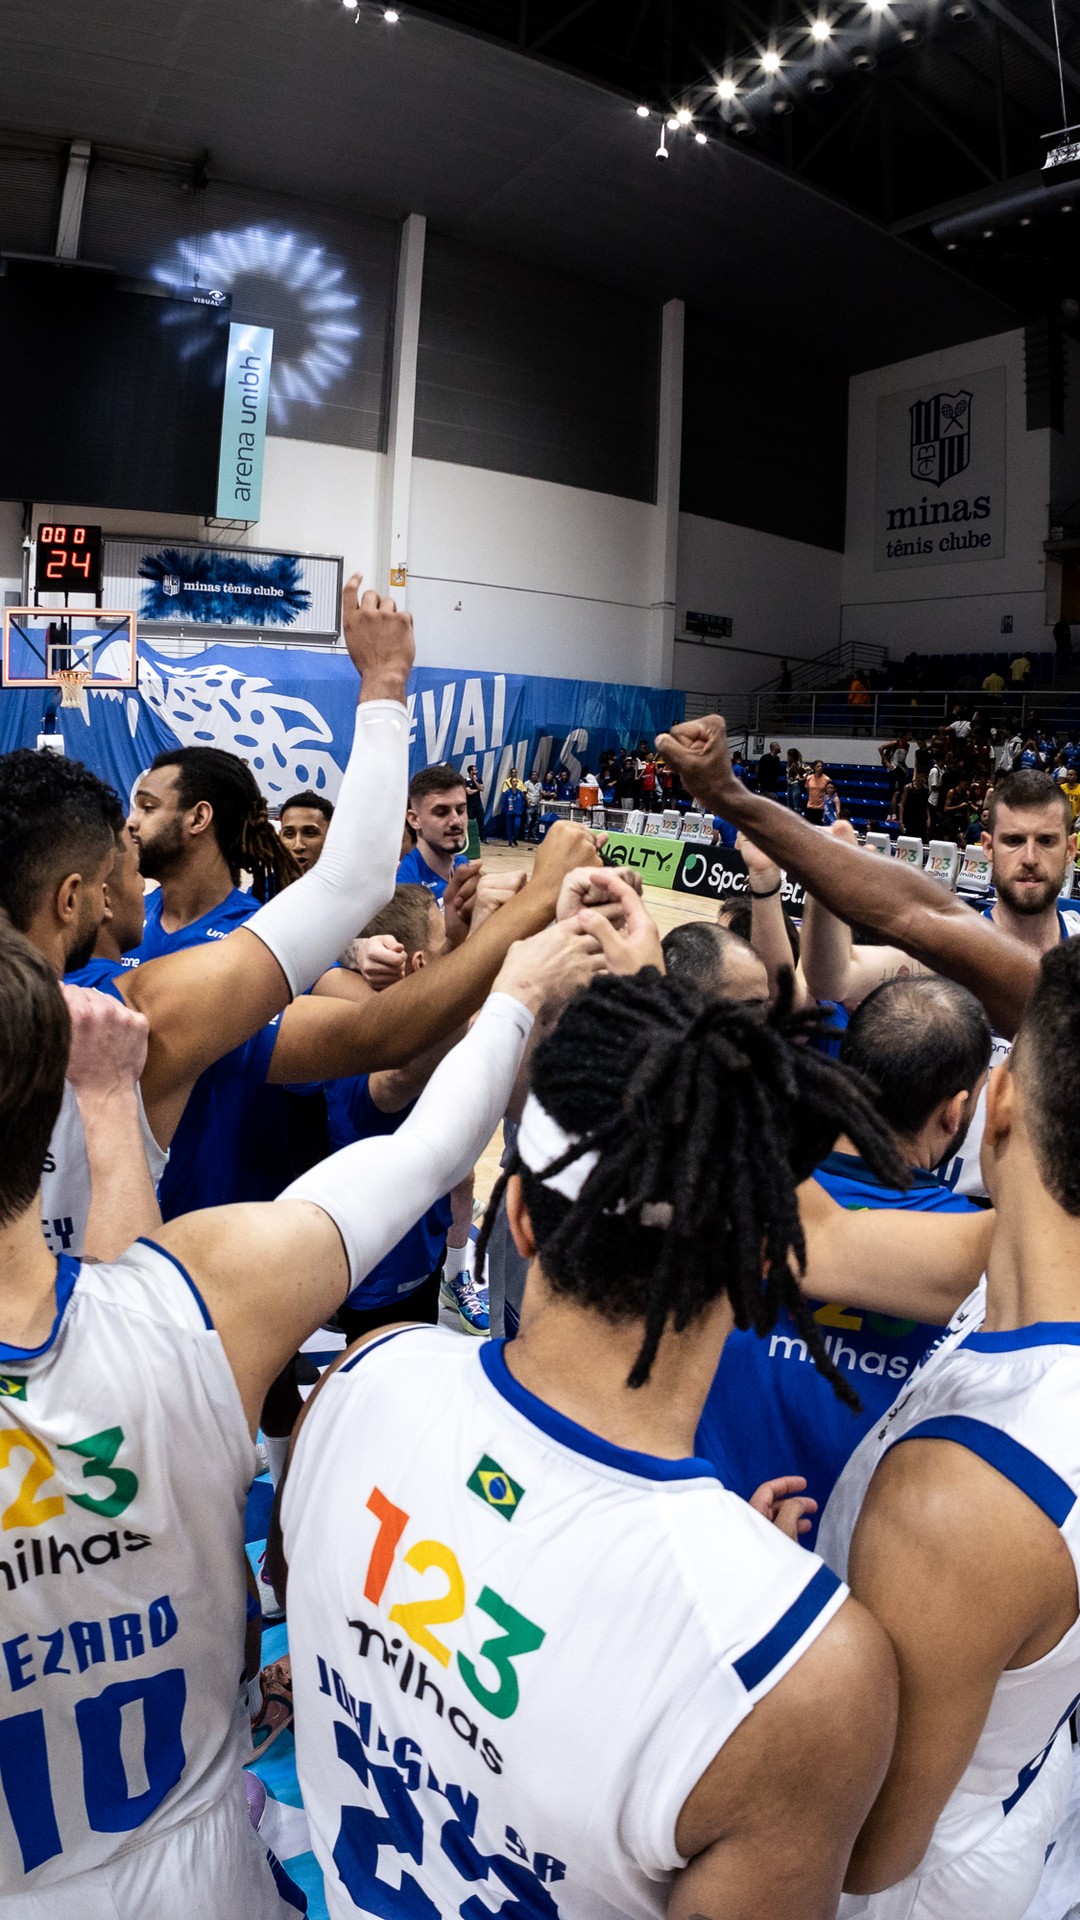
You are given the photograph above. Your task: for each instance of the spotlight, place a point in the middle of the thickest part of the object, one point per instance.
(988, 233)
(770, 62)
(877, 6)
(351, 5)
(392, 16)
(744, 128)
(672, 124)
(684, 116)
(820, 30)
(909, 36)
(863, 60)
(727, 89)
(819, 83)
(702, 139)
(643, 113)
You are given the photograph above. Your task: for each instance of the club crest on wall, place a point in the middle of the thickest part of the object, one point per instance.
(940, 437)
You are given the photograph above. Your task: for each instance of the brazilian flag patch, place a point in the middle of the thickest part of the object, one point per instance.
(495, 1487)
(12, 1386)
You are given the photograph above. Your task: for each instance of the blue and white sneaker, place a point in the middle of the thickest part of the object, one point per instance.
(462, 1296)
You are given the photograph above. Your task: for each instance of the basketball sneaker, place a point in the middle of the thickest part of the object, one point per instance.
(461, 1295)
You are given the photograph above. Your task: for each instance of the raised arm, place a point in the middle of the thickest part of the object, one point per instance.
(768, 927)
(320, 1039)
(271, 1274)
(208, 999)
(108, 1049)
(833, 967)
(896, 900)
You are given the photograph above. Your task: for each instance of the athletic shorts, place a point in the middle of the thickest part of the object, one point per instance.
(213, 1867)
(998, 1877)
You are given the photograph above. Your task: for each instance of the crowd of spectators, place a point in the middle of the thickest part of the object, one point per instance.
(939, 785)
(985, 672)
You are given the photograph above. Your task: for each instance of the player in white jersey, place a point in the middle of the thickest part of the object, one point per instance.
(130, 1396)
(966, 1545)
(543, 1662)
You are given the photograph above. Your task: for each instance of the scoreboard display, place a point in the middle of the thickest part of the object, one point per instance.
(68, 559)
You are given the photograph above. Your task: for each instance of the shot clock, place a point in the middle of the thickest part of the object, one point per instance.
(68, 559)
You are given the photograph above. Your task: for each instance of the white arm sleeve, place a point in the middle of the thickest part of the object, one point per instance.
(375, 1190)
(310, 923)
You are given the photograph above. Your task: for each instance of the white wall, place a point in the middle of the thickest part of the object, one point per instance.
(939, 609)
(524, 576)
(782, 595)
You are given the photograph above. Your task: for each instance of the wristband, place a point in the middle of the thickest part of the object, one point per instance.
(768, 895)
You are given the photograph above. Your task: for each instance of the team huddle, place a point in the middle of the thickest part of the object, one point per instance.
(738, 1580)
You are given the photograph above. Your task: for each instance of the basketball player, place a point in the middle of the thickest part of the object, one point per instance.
(964, 1541)
(1032, 848)
(907, 906)
(59, 826)
(121, 930)
(439, 816)
(304, 820)
(540, 1656)
(120, 1746)
(923, 1046)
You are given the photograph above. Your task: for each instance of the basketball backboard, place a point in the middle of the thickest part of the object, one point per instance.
(43, 643)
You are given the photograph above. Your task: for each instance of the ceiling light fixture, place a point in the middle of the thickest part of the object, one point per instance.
(643, 113)
(351, 5)
(661, 151)
(702, 139)
(727, 89)
(782, 104)
(863, 60)
(909, 36)
(744, 128)
(821, 30)
(392, 16)
(770, 61)
(819, 83)
(1025, 219)
(684, 116)
(672, 123)
(877, 6)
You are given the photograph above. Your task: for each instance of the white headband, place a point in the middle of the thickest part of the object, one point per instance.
(541, 1141)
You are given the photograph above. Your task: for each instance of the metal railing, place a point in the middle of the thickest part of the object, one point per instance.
(883, 714)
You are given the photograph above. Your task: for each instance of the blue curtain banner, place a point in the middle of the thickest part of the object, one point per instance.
(289, 712)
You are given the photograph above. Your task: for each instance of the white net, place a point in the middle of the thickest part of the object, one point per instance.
(73, 682)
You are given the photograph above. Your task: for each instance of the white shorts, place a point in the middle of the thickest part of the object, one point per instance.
(213, 1866)
(999, 1877)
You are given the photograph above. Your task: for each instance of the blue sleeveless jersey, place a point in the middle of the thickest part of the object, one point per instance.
(413, 870)
(769, 1410)
(98, 973)
(232, 1141)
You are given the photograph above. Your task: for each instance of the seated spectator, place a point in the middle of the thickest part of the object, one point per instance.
(1020, 670)
(993, 682)
(1030, 760)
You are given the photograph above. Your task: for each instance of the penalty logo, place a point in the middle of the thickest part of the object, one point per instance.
(495, 1488)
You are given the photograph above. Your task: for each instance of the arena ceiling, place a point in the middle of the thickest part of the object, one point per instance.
(513, 124)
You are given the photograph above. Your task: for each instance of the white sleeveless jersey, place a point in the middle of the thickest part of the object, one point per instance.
(125, 1461)
(515, 1647)
(65, 1179)
(1013, 1398)
(964, 1173)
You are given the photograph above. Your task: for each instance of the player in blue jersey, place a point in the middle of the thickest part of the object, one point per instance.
(121, 931)
(439, 816)
(303, 821)
(923, 1046)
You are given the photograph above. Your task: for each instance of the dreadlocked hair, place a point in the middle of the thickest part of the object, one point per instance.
(241, 824)
(711, 1112)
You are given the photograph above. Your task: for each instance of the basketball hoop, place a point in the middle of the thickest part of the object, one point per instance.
(73, 682)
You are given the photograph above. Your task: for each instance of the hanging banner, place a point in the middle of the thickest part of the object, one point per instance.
(941, 473)
(180, 590)
(243, 422)
(289, 712)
